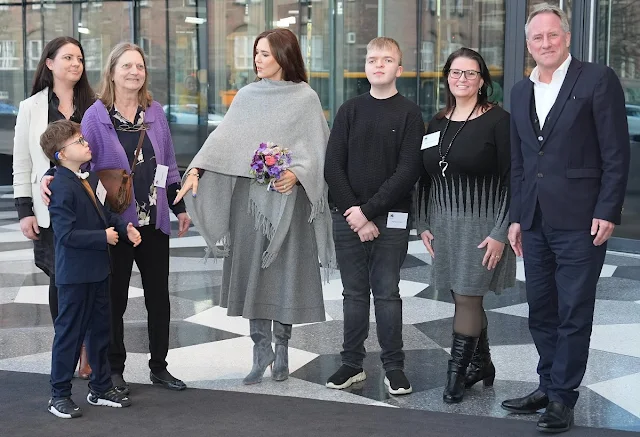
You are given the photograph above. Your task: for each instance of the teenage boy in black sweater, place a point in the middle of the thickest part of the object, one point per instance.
(372, 164)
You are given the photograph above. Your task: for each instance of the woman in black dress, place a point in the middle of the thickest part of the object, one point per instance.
(463, 212)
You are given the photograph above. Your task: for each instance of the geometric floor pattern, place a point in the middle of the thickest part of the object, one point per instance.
(212, 351)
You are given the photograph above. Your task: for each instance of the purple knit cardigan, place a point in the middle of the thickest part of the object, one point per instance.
(108, 153)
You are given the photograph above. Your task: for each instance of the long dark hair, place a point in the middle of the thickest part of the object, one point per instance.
(286, 51)
(83, 95)
(483, 97)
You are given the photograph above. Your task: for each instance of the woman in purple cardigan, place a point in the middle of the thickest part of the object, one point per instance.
(113, 126)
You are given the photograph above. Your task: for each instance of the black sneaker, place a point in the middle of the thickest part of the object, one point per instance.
(110, 398)
(397, 383)
(120, 384)
(64, 408)
(345, 376)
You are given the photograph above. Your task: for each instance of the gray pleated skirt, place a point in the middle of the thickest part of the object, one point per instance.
(460, 219)
(290, 289)
(458, 261)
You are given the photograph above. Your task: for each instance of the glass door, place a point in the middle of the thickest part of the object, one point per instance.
(565, 5)
(169, 32)
(448, 25)
(102, 25)
(618, 31)
(310, 20)
(364, 20)
(15, 82)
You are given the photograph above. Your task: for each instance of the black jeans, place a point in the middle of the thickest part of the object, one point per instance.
(371, 267)
(152, 259)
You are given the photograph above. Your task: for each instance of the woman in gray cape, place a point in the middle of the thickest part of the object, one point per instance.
(274, 241)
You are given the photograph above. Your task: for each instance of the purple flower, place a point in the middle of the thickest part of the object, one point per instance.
(269, 161)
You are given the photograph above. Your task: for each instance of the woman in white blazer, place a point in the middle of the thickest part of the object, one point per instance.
(60, 90)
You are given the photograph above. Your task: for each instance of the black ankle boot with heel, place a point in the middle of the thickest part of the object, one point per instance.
(481, 367)
(462, 350)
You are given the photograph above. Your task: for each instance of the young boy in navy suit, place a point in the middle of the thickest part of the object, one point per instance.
(83, 230)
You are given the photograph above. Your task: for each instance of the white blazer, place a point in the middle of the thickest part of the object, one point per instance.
(29, 161)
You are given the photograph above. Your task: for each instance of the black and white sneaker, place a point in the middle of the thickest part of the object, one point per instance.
(397, 383)
(64, 408)
(345, 377)
(110, 398)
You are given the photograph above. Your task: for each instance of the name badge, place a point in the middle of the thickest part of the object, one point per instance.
(430, 140)
(397, 220)
(160, 179)
(101, 192)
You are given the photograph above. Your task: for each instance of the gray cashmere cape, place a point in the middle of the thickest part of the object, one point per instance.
(290, 115)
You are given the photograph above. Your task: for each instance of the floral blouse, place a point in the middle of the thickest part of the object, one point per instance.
(145, 191)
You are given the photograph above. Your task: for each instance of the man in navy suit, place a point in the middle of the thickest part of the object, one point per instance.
(83, 229)
(569, 168)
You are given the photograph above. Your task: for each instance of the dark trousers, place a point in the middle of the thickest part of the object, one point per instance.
(365, 268)
(562, 270)
(53, 297)
(83, 308)
(44, 257)
(152, 258)
(47, 234)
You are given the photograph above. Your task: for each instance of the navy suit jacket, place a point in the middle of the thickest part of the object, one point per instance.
(81, 248)
(577, 168)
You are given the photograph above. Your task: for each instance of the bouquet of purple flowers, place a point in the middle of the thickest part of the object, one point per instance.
(269, 161)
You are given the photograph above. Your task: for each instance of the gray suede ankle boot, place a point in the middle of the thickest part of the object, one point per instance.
(282, 333)
(263, 355)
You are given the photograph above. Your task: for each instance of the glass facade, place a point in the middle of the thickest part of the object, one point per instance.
(618, 24)
(12, 71)
(200, 52)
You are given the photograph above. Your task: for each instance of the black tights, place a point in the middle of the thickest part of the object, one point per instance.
(470, 318)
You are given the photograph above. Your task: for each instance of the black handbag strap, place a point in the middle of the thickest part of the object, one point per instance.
(135, 156)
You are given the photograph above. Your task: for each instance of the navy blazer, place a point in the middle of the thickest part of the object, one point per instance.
(577, 167)
(81, 248)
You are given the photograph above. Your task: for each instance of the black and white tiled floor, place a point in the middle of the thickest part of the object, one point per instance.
(212, 351)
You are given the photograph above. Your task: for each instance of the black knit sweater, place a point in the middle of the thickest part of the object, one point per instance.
(373, 157)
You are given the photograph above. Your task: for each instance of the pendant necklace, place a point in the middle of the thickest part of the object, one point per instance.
(443, 158)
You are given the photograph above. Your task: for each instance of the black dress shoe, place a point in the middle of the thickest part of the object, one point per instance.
(119, 384)
(167, 380)
(557, 418)
(529, 404)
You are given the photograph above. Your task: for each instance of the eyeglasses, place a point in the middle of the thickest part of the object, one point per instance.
(80, 141)
(469, 74)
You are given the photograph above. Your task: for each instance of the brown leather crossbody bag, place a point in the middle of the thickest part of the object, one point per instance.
(119, 184)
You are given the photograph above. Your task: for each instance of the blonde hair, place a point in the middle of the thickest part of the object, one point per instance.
(107, 90)
(383, 42)
(546, 8)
